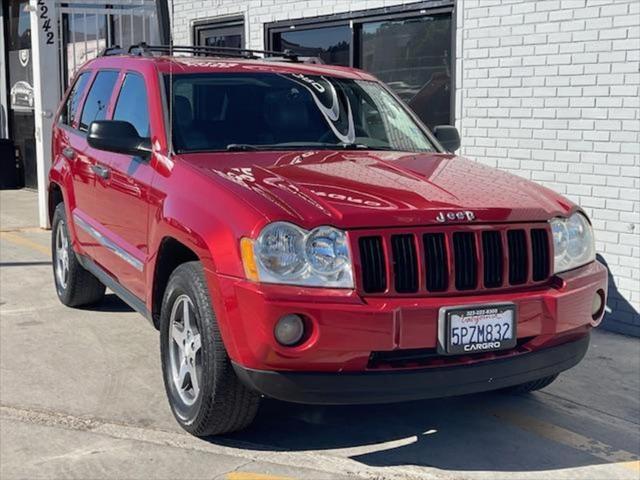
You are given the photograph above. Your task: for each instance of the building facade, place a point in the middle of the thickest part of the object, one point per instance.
(42, 44)
(547, 89)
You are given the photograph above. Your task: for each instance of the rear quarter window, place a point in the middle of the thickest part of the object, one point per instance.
(97, 103)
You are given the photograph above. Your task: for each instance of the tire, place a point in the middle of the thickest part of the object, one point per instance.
(77, 287)
(533, 385)
(218, 403)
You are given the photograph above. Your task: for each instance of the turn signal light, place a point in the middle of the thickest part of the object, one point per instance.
(249, 259)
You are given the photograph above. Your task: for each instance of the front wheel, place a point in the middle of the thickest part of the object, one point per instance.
(204, 393)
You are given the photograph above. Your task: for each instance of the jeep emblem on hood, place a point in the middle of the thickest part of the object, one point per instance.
(450, 216)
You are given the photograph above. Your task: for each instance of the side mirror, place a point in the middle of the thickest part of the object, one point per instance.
(119, 137)
(448, 137)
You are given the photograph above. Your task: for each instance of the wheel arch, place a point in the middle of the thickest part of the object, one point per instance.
(55, 198)
(171, 254)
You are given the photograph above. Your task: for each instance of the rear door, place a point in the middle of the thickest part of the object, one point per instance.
(127, 197)
(88, 170)
(67, 139)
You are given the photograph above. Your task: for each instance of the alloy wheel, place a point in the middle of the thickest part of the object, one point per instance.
(185, 344)
(62, 255)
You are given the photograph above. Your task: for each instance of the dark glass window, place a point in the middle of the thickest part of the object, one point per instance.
(132, 104)
(404, 46)
(19, 25)
(70, 109)
(95, 107)
(331, 44)
(266, 111)
(228, 33)
(413, 57)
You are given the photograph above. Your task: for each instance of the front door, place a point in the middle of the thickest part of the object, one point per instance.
(126, 206)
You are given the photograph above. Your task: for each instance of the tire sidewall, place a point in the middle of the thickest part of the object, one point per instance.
(182, 283)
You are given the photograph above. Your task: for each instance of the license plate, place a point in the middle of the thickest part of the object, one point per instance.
(480, 329)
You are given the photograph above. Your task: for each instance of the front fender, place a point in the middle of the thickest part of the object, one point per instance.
(208, 220)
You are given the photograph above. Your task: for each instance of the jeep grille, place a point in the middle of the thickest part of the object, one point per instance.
(462, 258)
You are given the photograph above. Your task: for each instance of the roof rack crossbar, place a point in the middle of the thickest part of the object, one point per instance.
(142, 48)
(113, 50)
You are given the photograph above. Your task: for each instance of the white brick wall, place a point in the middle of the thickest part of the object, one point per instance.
(547, 89)
(259, 12)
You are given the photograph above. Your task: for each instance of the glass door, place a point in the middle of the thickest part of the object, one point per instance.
(21, 119)
(410, 48)
(413, 57)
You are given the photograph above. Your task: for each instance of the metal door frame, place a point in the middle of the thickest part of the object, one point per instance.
(51, 70)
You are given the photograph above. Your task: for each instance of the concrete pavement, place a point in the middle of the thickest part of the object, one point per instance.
(81, 396)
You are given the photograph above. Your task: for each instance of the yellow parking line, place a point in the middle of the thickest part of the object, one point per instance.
(254, 476)
(574, 440)
(25, 242)
(635, 466)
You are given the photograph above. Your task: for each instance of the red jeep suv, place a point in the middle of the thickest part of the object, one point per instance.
(295, 232)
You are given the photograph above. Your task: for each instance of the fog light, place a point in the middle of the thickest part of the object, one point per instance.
(597, 306)
(289, 330)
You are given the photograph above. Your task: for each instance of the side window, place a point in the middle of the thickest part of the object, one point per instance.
(132, 104)
(95, 107)
(70, 110)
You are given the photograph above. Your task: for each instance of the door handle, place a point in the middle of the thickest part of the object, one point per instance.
(102, 172)
(69, 152)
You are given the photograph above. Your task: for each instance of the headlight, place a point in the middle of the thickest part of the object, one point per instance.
(285, 253)
(573, 243)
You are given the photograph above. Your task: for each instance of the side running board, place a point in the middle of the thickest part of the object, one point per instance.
(112, 284)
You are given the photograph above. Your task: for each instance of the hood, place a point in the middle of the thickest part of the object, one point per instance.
(360, 189)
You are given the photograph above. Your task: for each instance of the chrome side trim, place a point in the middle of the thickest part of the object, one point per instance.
(108, 244)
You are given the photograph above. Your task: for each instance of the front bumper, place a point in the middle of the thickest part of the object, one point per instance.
(397, 386)
(347, 330)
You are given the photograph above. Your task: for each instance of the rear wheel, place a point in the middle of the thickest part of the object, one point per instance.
(204, 393)
(75, 286)
(533, 385)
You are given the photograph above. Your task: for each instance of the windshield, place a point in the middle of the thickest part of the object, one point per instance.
(271, 111)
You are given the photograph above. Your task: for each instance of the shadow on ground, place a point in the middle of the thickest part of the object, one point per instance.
(460, 434)
(111, 303)
(468, 433)
(620, 316)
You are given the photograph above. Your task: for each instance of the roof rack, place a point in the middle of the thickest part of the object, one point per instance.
(144, 49)
(114, 50)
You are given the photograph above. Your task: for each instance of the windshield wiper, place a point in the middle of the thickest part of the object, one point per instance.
(241, 147)
(352, 146)
(247, 147)
(361, 146)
